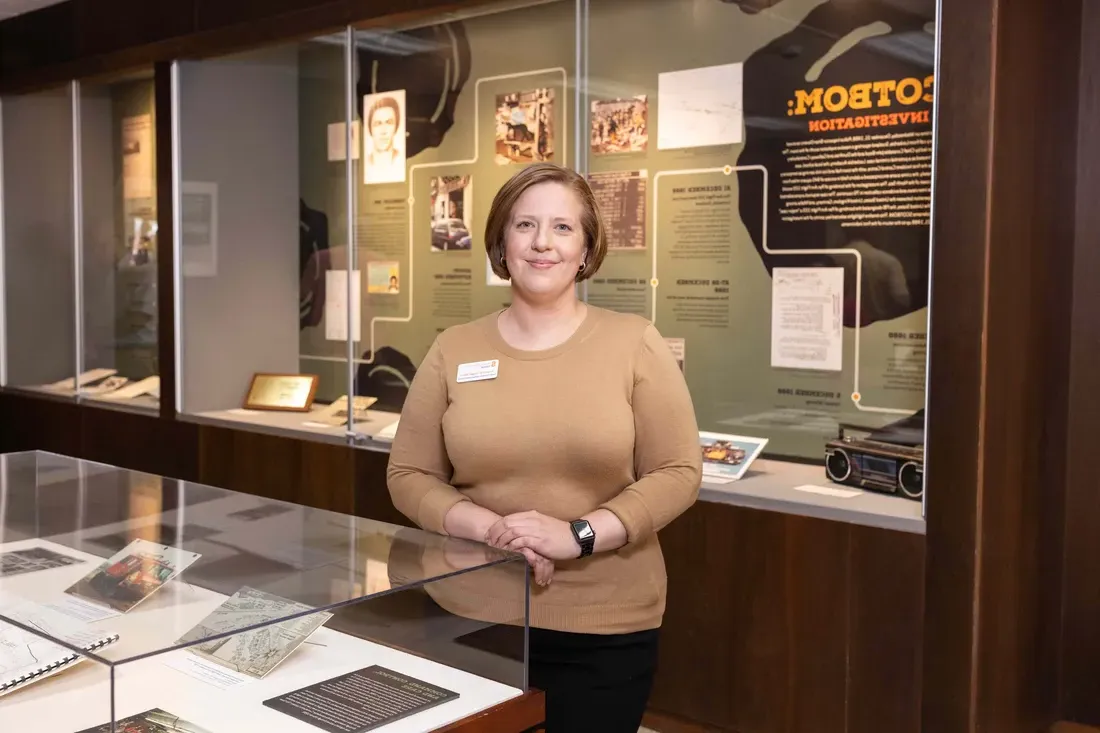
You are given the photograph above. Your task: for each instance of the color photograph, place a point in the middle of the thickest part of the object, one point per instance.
(384, 141)
(451, 201)
(384, 277)
(620, 125)
(525, 127)
(129, 577)
(727, 457)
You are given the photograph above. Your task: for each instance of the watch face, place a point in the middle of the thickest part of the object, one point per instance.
(585, 531)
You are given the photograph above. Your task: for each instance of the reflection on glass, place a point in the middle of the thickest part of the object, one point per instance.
(39, 293)
(119, 243)
(263, 230)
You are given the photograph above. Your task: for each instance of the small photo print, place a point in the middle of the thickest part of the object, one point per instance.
(384, 277)
(452, 203)
(151, 721)
(384, 137)
(727, 457)
(33, 559)
(132, 575)
(699, 107)
(620, 125)
(525, 127)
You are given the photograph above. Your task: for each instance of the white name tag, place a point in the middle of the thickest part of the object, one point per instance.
(476, 371)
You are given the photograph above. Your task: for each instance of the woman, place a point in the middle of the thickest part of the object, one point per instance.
(564, 432)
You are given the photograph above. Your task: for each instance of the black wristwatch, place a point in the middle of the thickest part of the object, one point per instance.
(584, 534)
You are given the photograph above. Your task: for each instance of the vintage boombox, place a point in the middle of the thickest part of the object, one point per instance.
(889, 460)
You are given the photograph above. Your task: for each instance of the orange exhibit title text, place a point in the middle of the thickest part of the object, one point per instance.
(887, 98)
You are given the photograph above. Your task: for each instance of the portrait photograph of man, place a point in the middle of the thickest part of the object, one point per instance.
(384, 141)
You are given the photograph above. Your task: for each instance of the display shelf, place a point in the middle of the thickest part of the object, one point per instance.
(773, 485)
(295, 424)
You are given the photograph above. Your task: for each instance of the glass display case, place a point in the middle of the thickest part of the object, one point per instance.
(132, 598)
(764, 171)
(766, 189)
(80, 234)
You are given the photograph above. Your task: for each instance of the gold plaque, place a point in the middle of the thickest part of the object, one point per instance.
(288, 392)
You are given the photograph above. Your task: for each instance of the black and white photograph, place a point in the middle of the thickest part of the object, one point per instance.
(452, 201)
(384, 141)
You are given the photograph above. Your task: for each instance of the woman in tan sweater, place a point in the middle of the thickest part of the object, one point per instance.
(564, 432)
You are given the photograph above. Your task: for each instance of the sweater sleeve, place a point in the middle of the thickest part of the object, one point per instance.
(667, 461)
(419, 470)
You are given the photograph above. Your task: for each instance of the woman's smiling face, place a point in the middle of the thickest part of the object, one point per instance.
(544, 244)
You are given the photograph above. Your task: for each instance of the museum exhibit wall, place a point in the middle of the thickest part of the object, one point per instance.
(874, 627)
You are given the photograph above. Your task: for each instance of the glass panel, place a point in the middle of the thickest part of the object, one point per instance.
(224, 604)
(263, 217)
(39, 291)
(450, 112)
(120, 227)
(766, 177)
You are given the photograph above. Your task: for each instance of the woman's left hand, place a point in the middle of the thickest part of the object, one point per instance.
(549, 537)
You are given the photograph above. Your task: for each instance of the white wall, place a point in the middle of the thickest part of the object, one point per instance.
(239, 129)
(38, 238)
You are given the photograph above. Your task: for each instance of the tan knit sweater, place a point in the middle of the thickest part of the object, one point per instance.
(601, 420)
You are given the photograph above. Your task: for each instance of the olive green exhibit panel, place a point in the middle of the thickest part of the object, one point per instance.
(39, 325)
(120, 227)
(261, 219)
(767, 190)
(323, 253)
(449, 111)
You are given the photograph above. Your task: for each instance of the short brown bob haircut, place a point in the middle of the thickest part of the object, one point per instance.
(500, 215)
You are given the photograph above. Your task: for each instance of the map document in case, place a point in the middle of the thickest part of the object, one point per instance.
(133, 574)
(260, 650)
(26, 658)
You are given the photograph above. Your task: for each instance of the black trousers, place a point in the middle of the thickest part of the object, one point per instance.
(593, 682)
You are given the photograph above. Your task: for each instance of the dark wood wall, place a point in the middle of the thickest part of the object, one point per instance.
(1003, 258)
(1079, 642)
(779, 623)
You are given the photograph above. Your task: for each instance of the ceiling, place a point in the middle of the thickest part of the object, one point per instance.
(10, 8)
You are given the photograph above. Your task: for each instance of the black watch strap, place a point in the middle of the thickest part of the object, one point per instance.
(584, 535)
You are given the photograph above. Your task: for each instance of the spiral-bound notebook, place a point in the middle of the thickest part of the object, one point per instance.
(26, 658)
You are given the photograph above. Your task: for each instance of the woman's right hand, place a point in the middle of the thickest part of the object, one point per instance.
(542, 568)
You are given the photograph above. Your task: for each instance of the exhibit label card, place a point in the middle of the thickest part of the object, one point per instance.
(138, 571)
(336, 305)
(808, 318)
(360, 701)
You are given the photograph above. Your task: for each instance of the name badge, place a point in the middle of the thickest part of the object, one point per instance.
(476, 371)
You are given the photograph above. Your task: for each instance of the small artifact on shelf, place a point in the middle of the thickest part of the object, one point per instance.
(888, 460)
(337, 413)
(285, 392)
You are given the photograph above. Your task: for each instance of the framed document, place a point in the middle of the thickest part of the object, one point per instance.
(285, 392)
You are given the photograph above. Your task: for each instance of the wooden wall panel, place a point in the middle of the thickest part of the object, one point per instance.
(999, 352)
(1079, 641)
(139, 442)
(784, 623)
(31, 423)
(313, 474)
(885, 621)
